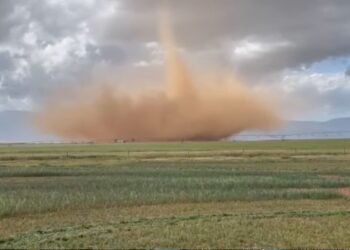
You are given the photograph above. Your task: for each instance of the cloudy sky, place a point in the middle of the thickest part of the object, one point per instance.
(298, 49)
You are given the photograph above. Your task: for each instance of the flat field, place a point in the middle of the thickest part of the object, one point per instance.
(184, 195)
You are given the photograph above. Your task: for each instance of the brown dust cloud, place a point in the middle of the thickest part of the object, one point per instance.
(186, 108)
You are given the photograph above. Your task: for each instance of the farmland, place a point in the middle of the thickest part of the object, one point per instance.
(190, 195)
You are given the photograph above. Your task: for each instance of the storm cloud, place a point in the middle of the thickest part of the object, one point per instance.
(44, 44)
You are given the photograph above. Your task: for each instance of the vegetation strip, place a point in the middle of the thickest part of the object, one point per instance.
(86, 230)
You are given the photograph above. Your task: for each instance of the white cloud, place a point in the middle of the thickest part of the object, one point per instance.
(107, 10)
(68, 3)
(322, 82)
(250, 48)
(22, 70)
(30, 37)
(23, 104)
(53, 55)
(12, 50)
(62, 52)
(155, 55)
(141, 64)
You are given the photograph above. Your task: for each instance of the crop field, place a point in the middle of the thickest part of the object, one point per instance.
(185, 195)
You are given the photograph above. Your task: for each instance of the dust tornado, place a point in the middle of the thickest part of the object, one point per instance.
(186, 108)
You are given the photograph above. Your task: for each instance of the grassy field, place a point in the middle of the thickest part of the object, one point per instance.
(189, 195)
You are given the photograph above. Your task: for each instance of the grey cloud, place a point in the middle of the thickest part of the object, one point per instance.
(6, 62)
(6, 9)
(318, 29)
(347, 72)
(112, 53)
(205, 29)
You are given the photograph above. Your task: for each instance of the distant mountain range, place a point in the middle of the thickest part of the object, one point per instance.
(333, 129)
(18, 126)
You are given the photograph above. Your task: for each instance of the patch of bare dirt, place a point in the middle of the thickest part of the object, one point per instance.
(344, 191)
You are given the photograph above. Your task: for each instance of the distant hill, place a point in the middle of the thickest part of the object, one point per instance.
(332, 129)
(18, 126)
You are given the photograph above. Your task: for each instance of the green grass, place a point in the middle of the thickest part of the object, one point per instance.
(193, 230)
(64, 179)
(54, 189)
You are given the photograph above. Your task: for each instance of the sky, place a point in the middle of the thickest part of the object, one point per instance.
(299, 50)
